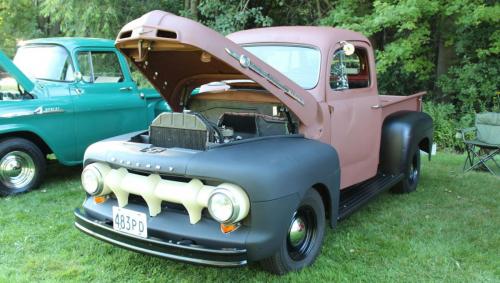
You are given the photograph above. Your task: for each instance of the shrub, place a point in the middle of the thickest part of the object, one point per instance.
(472, 87)
(445, 126)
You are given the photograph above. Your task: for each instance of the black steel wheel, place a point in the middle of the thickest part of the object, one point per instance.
(303, 239)
(22, 166)
(411, 174)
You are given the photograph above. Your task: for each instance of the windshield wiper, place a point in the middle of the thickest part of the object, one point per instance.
(24, 93)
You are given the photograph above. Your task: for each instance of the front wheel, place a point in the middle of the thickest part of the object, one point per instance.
(411, 174)
(304, 237)
(22, 166)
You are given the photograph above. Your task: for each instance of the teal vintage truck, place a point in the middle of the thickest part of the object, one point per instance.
(58, 96)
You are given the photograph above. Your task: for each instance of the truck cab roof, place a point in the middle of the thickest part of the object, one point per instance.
(72, 43)
(320, 37)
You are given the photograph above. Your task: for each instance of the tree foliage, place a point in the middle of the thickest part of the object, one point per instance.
(449, 48)
(228, 16)
(19, 19)
(102, 18)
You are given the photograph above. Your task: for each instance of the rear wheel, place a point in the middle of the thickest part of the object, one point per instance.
(22, 166)
(411, 174)
(304, 237)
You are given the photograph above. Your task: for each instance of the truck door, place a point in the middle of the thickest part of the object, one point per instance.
(356, 117)
(107, 102)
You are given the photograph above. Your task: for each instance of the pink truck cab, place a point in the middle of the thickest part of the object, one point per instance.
(352, 111)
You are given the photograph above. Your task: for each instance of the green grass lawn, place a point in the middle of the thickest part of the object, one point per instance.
(449, 230)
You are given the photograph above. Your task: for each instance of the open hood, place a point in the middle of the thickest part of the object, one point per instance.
(175, 52)
(8, 66)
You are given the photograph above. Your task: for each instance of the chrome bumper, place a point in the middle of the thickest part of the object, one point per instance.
(167, 249)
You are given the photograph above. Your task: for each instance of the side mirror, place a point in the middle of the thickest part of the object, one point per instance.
(78, 77)
(347, 47)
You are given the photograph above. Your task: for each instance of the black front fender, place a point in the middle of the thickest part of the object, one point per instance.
(273, 167)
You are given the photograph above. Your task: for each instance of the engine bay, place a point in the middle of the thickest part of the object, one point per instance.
(210, 119)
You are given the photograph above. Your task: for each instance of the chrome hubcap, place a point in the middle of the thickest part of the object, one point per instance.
(297, 232)
(413, 171)
(302, 233)
(17, 170)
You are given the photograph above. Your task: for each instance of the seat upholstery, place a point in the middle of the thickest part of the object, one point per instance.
(488, 128)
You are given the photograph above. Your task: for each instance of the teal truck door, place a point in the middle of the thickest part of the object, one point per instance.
(107, 102)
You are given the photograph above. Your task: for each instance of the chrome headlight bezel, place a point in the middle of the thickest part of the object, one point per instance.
(99, 186)
(238, 198)
(235, 208)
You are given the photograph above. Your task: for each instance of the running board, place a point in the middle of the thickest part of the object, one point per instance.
(356, 196)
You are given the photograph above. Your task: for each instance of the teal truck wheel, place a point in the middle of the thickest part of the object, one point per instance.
(22, 166)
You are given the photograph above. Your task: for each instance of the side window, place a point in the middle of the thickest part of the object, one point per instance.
(67, 74)
(100, 67)
(137, 76)
(349, 72)
(85, 63)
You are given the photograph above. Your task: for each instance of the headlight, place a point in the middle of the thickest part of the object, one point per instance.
(93, 180)
(228, 203)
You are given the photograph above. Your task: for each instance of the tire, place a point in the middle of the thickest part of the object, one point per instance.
(411, 174)
(300, 251)
(22, 166)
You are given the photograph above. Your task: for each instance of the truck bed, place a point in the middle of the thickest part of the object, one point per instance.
(394, 103)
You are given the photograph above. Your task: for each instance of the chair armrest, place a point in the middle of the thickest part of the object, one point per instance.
(465, 131)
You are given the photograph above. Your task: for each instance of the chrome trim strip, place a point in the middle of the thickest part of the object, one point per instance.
(38, 111)
(49, 110)
(16, 114)
(245, 62)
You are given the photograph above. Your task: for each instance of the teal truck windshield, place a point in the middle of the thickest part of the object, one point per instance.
(45, 62)
(299, 63)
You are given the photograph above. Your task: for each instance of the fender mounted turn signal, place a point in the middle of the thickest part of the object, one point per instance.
(100, 199)
(228, 228)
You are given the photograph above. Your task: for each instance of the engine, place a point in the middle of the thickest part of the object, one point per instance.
(192, 130)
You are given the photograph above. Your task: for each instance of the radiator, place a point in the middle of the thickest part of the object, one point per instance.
(183, 130)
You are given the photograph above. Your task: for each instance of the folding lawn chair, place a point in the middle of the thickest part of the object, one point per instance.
(482, 142)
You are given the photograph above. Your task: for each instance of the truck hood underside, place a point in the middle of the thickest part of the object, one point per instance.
(177, 54)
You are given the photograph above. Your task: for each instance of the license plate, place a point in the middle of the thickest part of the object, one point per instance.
(130, 222)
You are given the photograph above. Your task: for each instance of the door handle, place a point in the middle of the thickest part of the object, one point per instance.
(126, 88)
(378, 106)
(78, 91)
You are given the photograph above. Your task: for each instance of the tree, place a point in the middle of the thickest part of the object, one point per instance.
(228, 16)
(419, 43)
(100, 18)
(19, 20)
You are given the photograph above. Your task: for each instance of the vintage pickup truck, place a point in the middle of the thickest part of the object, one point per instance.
(275, 133)
(59, 96)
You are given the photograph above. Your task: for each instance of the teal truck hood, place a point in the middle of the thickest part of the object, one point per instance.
(14, 71)
(12, 109)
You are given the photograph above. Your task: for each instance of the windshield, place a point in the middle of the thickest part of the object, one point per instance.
(45, 62)
(300, 64)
